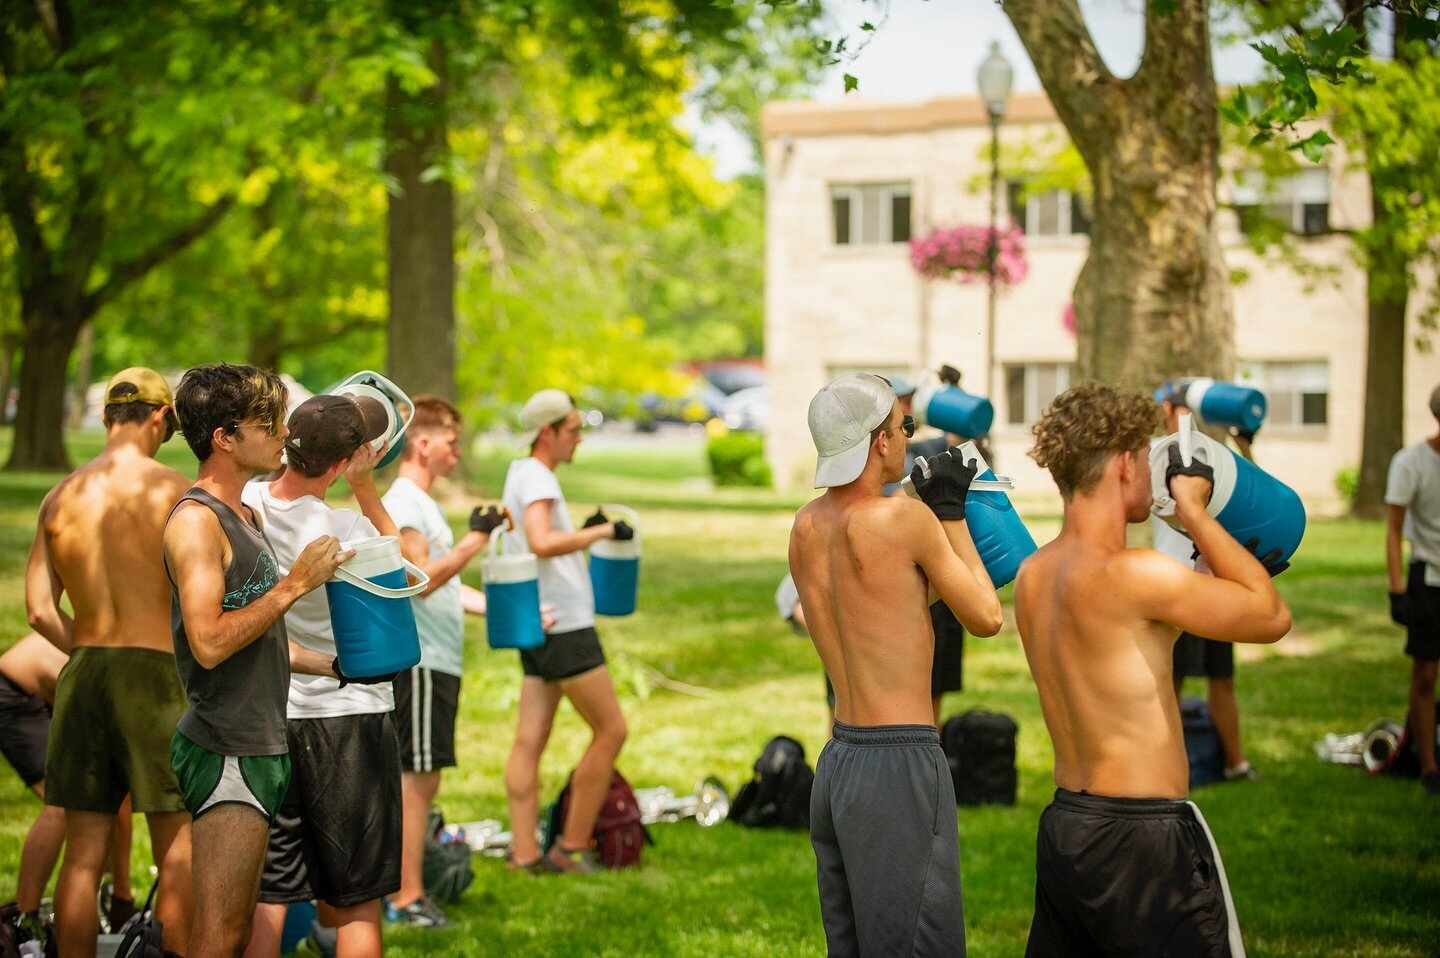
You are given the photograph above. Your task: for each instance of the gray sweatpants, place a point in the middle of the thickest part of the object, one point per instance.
(887, 853)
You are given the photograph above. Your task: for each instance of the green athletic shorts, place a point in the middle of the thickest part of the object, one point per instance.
(209, 779)
(114, 711)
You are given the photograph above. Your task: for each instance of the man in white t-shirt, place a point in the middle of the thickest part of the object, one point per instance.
(1412, 493)
(336, 837)
(570, 663)
(427, 697)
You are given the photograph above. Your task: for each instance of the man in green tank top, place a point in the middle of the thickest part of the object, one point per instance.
(227, 619)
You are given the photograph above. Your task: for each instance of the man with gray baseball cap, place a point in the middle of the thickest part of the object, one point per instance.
(882, 811)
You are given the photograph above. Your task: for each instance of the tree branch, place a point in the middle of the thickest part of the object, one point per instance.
(1177, 51)
(123, 274)
(1065, 57)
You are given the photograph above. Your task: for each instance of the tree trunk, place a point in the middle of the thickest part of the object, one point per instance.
(421, 237)
(1153, 299)
(80, 382)
(1383, 430)
(47, 342)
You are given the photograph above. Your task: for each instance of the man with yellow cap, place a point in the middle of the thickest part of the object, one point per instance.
(117, 700)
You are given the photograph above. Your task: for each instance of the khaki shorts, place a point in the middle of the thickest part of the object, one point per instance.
(114, 712)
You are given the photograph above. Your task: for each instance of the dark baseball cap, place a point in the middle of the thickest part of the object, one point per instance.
(325, 429)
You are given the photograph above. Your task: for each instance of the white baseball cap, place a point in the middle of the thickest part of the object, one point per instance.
(540, 410)
(842, 416)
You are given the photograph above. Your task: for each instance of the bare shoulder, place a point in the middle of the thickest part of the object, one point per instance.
(191, 522)
(1148, 572)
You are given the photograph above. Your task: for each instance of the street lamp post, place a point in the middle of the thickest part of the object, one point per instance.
(994, 80)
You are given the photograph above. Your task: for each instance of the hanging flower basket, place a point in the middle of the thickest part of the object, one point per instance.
(963, 253)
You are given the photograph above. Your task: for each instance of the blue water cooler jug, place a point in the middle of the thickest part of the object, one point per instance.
(995, 527)
(370, 609)
(1248, 502)
(375, 386)
(615, 568)
(1225, 404)
(952, 409)
(512, 598)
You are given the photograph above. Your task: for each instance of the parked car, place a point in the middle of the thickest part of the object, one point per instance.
(748, 409)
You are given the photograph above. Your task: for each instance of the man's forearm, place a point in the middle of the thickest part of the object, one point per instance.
(234, 629)
(1394, 555)
(372, 508)
(309, 662)
(441, 570)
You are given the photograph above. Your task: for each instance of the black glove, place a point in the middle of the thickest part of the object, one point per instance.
(1270, 560)
(623, 531)
(944, 489)
(486, 520)
(360, 680)
(1400, 608)
(1196, 468)
(598, 519)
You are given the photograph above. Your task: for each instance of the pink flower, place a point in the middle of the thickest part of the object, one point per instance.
(963, 253)
(1067, 318)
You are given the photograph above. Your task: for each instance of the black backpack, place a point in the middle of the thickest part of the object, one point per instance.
(445, 868)
(779, 794)
(1202, 743)
(980, 748)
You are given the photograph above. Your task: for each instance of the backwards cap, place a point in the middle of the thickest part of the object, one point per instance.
(842, 415)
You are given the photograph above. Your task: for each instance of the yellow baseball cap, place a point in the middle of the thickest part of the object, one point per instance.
(147, 386)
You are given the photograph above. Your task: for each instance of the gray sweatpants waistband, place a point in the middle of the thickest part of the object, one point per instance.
(885, 734)
(1122, 807)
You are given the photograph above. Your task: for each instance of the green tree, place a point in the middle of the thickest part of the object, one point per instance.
(1152, 300)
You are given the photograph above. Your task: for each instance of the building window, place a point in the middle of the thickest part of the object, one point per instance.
(871, 214)
(1048, 213)
(1029, 388)
(1298, 204)
(1298, 394)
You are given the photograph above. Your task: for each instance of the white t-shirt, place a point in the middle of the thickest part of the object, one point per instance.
(564, 580)
(1414, 482)
(291, 526)
(439, 615)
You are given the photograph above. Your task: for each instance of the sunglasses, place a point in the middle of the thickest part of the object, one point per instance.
(907, 427)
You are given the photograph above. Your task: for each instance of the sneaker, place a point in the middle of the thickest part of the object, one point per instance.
(563, 861)
(1430, 781)
(537, 867)
(1244, 772)
(418, 914)
(310, 947)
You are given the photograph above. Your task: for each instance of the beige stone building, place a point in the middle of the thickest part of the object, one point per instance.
(847, 184)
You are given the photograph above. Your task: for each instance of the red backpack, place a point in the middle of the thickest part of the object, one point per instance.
(619, 833)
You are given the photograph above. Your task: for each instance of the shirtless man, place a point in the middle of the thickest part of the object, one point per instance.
(118, 698)
(882, 812)
(229, 749)
(1124, 864)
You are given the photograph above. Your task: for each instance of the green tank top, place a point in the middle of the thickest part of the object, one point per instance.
(238, 707)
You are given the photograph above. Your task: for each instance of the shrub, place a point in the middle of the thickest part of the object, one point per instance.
(738, 459)
(1347, 483)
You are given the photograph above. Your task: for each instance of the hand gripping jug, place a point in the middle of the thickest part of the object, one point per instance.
(399, 406)
(512, 598)
(1247, 502)
(995, 527)
(952, 409)
(1225, 404)
(615, 568)
(370, 609)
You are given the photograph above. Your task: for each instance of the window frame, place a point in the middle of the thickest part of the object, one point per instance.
(1295, 193)
(854, 194)
(1032, 407)
(1301, 374)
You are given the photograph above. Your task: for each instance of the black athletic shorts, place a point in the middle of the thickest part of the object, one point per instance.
(426, 704)
(337, 834)
(24, 729)
(564, 655)
(1200, 658)
(887, 853)
(946, 671)
(1423, 635)
(1129, 876)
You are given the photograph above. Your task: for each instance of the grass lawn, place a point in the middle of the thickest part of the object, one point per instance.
(1323, 860)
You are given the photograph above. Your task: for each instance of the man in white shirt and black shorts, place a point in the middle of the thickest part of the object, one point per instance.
(571, 662)
(427, 697)
(336, 837)
(1412, 493)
